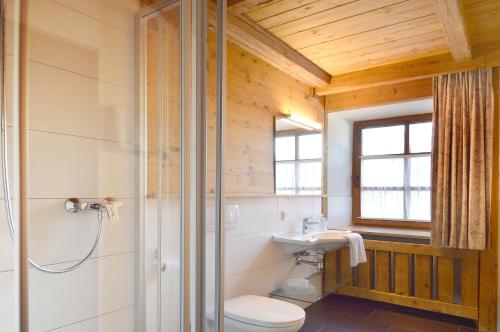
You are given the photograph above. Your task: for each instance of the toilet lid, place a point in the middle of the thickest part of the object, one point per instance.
(263, 311)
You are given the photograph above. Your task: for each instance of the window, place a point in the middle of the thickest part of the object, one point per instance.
(298, 165)
(392, 171)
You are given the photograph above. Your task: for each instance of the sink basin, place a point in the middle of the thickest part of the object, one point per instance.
(328, 240)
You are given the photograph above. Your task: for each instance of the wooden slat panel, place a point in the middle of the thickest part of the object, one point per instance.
(423, 276)
(303, 13)
(364, 272)
(414, 248)
(390, 34)
(298, 38)
(331, 271)
(387, 94)
(402, 274)
(345, 267)
(382, 271)
(412, 302)
(416, 47)
(446, 278)
(470, 282)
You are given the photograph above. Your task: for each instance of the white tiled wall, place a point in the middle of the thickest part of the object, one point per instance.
(254, 263)
(82, 136)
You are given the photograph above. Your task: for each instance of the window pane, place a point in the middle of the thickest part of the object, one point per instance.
(382, 204)
(420, 137)
(382, 172)
(310, 146)
(285, 148)
(309, 176)
(285, 178)
(420, 205)
(383, 140)
(420, 171)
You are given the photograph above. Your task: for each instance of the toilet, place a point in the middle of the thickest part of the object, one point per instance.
(261, 314)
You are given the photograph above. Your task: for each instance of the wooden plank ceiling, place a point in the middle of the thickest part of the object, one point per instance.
(346, 36)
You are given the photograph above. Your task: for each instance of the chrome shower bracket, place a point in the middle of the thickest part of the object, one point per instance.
(108, 205)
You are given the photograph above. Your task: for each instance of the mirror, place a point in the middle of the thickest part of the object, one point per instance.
(298, 153)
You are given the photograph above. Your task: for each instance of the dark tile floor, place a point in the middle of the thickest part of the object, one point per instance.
(337, 313)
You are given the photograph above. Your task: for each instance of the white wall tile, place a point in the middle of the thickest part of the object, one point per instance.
(250, 251)
(7, 301)
(100, 286)
(256, 215)
(120, 320)
(58, 236)
(64, 166)
(65, 38)
(117, 13)
(70, 103)
(259, 281)
(296, 208)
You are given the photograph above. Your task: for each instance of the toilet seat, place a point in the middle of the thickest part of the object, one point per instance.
(264, 312)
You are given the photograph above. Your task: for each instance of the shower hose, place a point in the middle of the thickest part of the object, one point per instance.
(5, 172)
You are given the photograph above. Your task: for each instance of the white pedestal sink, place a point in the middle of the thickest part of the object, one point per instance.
(328, 240)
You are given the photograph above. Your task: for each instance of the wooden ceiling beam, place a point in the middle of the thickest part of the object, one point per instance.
(408, 71)
(450, 14)
(379, 95)
(263, 44)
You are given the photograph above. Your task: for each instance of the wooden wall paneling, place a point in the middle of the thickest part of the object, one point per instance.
(263, 44)
(423, 276)
(345, 267)
(488, 275)
(470, 281)
(382, 271)
(445, 279)
(402, 274)
(422, 273)
(256, 92)
(364, 271)
(380, 95)
(331, 282)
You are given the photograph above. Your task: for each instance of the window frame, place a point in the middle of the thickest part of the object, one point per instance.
(296, 133)
(356, 169)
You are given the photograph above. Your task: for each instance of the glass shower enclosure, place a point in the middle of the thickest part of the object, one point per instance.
(106, 224)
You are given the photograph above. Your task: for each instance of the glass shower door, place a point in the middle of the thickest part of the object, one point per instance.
(163, 139)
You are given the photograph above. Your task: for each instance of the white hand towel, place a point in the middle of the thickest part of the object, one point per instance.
(356, 248)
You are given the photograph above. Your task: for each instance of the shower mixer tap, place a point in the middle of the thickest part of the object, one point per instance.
(107, 205)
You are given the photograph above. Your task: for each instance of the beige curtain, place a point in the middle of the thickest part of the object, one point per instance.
(462, 159)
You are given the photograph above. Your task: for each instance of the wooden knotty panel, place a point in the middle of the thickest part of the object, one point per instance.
(364, 272)
(331, 283)
(345, 267)
(414, 277)
(446, 276)
(256, 92)
(423, 276)
(382, 271)
(402, 273)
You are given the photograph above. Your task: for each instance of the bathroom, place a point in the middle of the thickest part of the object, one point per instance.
(196, 166)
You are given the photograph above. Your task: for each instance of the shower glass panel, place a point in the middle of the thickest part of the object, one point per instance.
(103, 167)
(163, 169)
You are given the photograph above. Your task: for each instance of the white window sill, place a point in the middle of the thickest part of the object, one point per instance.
(390, 231)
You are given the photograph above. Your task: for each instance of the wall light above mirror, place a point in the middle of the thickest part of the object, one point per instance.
(298, 152)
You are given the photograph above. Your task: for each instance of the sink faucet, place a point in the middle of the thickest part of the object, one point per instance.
(306, 222)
